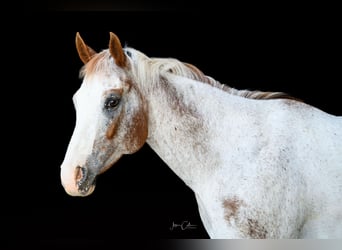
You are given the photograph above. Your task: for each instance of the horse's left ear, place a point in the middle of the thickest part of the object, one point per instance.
(116, 50)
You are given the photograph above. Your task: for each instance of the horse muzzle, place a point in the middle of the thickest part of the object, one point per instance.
(79, 181)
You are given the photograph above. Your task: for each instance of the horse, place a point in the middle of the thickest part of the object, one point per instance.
(262, 165)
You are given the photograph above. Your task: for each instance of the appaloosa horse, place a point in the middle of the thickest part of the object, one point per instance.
(261, 164)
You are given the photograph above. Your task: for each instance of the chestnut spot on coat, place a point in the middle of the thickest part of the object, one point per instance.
(113, 128)
(255, 230)
(137, 132)
(250, 228)
(231, 207)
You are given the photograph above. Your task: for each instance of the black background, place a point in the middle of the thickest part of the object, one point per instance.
(290, 48)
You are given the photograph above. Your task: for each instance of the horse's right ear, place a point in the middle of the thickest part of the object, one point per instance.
(84, 51)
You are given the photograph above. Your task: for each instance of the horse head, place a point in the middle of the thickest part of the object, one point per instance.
(111, 116)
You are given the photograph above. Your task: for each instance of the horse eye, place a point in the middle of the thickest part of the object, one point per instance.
(112, 102)
(129, 53)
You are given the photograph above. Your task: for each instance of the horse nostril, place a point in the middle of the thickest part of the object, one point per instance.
(81, 174)
(78, 174)
(85, 180)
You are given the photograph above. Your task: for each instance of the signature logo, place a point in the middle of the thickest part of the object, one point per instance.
(184, 225)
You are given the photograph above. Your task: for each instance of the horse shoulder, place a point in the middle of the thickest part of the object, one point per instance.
(262, 178)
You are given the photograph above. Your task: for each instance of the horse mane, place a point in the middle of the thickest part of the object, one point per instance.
(158, 67)
(252, 94)
(162, 66)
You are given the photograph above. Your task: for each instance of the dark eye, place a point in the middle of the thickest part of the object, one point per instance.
(112, 102)
(128, 53)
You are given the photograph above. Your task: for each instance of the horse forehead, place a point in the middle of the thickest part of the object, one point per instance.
(103, 81)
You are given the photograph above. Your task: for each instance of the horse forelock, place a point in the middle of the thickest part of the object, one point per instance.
(100, 63)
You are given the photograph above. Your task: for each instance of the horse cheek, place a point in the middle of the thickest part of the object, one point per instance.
(138, 132)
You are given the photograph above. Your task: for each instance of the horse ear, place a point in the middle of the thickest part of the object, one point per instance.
(84, 51)
(116, 50)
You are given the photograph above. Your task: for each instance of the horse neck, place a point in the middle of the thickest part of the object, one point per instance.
(184, 126)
